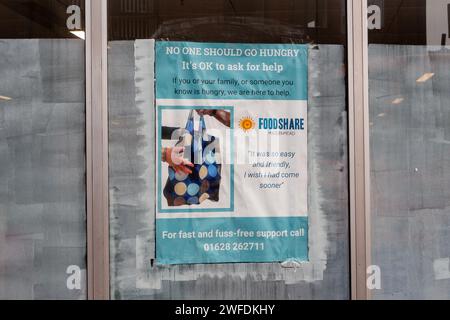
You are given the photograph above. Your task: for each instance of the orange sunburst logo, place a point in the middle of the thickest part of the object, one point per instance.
(247, 124)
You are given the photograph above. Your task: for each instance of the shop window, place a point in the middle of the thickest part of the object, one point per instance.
(136, 271)
(42, 150)
(409, 68)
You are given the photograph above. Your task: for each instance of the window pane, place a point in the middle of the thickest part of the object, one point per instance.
(42, 151)
(409, 81)
(134, 272)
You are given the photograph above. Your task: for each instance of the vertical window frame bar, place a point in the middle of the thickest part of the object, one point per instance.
(359, 142)
(97, 150)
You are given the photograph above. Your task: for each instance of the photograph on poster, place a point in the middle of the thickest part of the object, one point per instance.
(194, 173)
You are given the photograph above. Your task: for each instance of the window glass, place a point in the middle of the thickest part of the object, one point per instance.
(134, 272)
(42, 150)
(409, 81)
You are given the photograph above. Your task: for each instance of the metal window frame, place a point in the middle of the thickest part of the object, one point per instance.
(98, 260)
(359, 143)
(97, 150)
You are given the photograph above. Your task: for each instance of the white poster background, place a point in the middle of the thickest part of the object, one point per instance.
(249, 200)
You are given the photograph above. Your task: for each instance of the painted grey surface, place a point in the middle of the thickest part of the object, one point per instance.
(42, 168)
(131, 132)
(410, 176)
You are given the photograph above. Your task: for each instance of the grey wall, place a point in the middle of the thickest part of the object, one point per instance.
(410, 159)
(42, 167)
(131, 118)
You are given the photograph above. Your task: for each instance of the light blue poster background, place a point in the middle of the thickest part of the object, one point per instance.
(275, 239)
(255, 75)
(187, 71)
